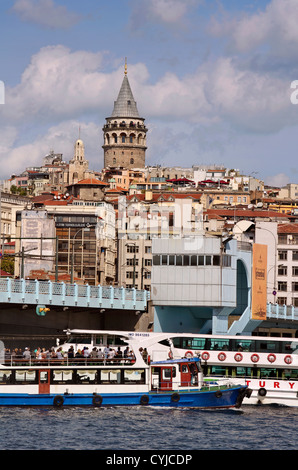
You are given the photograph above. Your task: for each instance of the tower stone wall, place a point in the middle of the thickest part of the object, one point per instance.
(125, 132)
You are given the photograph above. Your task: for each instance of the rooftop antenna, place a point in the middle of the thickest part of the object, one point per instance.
(125, 68)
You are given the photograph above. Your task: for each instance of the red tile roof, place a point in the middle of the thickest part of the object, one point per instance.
(91, 182)
(287, 228)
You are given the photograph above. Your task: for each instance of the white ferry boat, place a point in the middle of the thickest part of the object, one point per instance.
(112, 381)
(267, 365)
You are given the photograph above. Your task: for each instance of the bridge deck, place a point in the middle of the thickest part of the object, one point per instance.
(23, 291)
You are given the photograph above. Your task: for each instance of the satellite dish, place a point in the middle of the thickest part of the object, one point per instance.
(259, 204)
(250, 206)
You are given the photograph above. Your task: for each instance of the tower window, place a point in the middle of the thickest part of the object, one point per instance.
(132, 161)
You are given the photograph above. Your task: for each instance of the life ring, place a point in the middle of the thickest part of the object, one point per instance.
(188, 354)
(97, 400)
(262, 392)
(170, 355)
(288, 359)
(238, 357)
(218, 394)
(205, 356)
(58, 400)
(271, 357)
(144, 400)
(175, 397)
(221, 356)
(254, 358)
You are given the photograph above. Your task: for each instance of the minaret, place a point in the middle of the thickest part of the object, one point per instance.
(125, 132)
(78, 166)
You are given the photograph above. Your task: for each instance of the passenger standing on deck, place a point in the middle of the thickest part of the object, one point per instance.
(70, 352)
(26, 354)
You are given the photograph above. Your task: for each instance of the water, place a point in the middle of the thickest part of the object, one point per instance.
(144, 428)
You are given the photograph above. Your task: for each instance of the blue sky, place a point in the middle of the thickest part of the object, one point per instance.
(212, 78)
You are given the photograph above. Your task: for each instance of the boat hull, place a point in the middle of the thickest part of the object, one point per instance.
(227, 398)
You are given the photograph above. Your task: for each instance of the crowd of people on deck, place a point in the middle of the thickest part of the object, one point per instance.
(104, 353)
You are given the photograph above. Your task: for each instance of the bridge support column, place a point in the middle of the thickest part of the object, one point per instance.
(220, 320)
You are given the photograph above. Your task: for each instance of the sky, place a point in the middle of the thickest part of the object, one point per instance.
(214, 80)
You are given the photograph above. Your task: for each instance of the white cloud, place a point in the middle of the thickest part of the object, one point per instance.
(58, 82)
(60, 138)
(45, 13)
(275, 27)
(165, 12)
(278, 180)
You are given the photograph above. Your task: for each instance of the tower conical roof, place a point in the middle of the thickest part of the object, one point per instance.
(125, 106)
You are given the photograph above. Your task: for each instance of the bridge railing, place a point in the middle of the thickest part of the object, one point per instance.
(282, 312)
(59, 293)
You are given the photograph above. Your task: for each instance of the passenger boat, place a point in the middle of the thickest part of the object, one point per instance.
(267, 365)
(123, 381)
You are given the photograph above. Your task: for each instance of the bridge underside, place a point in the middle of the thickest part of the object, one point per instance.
(21, 321)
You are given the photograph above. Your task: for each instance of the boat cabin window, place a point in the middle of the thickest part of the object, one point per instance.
(62, 376)
(110, 376)
(5, 376)
(86, 376)
(220, 344)
(43, 377)
(79, 340)
(218, 370)
(25, 376)
(136, 376)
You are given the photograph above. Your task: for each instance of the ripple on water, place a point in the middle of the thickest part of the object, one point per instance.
(138, 428)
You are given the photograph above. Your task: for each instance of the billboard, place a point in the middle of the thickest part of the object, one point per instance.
(259, 282)
(38, 233)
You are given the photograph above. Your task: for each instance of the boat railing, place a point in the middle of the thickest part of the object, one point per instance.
(67, 361)
(163, 386)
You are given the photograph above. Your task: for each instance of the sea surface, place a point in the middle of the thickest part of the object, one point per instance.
(145, 428)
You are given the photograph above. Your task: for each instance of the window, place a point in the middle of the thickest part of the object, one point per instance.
(282, 300)
(132, 249)
(282, 286)
(86, 376)
(132, 262)
(5, 376)
(148, 249)
(62, 376)
(131, 274)
(295, 286)
(156, 260)
(25, 376)
(282, 255)
(283, 270)
(193, 260)
(110, 376)
(295, 255)
(148, 262)
(295, 271)
(136, 376)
